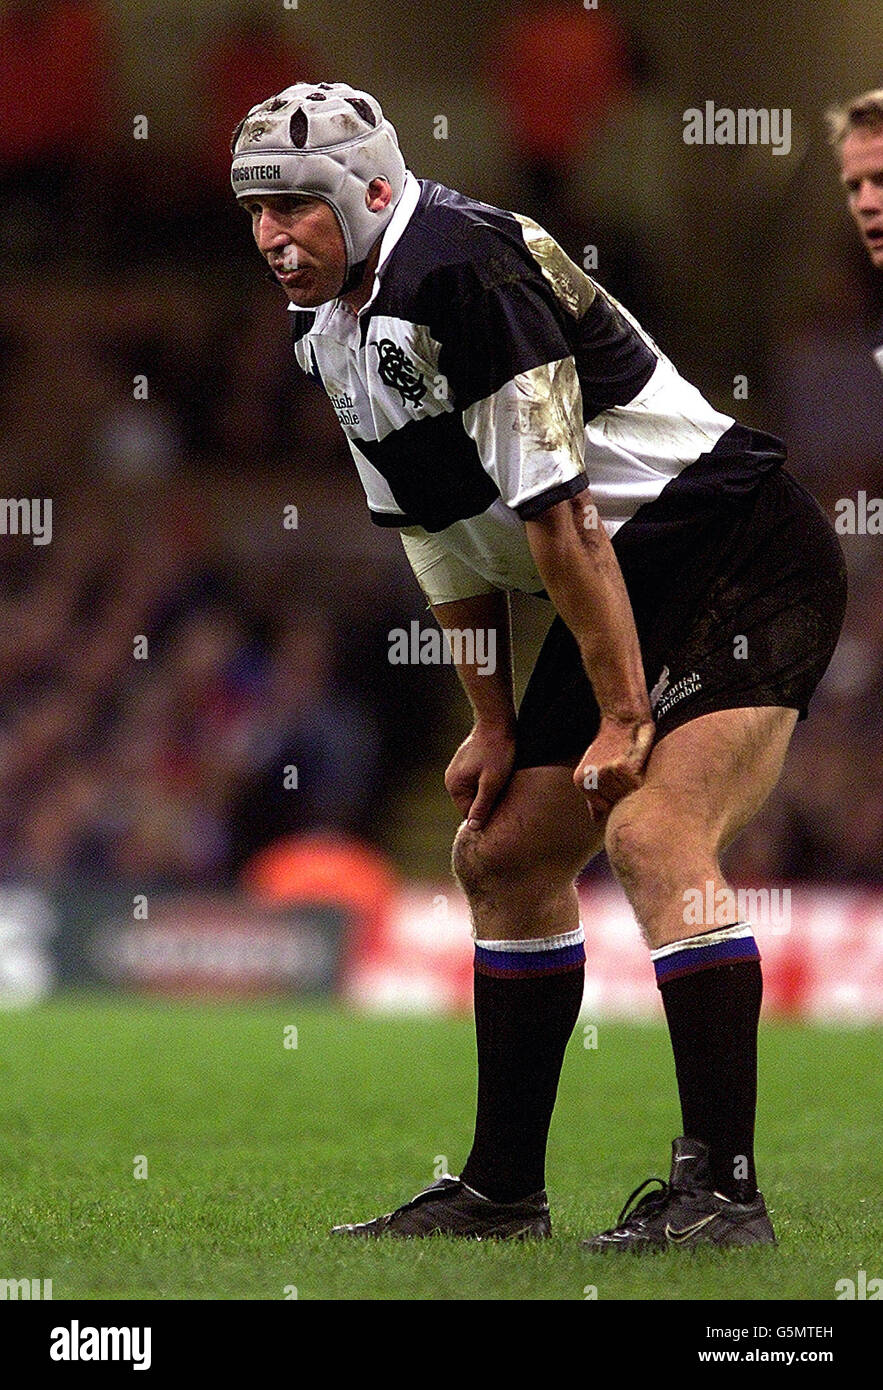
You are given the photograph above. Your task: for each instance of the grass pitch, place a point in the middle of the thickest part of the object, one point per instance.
(253, 1149)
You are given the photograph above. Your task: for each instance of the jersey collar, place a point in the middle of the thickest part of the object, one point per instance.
(404, 211)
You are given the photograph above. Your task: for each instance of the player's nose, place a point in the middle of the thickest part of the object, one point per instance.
(870, 197)
(269, 232)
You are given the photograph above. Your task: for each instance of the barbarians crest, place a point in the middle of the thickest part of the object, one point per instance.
(396, 370)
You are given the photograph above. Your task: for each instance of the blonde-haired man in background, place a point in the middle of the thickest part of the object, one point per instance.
(856, 132)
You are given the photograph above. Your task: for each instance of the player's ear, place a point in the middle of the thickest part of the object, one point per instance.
(378, 194)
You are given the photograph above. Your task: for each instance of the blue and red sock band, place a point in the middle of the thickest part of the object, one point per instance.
(529, 960)
(724, 946)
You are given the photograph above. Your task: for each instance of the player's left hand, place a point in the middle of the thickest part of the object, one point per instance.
(613, 765)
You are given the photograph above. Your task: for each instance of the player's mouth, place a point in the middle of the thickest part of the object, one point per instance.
(290, 277)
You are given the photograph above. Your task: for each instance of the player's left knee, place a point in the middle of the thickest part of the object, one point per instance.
(645, 842)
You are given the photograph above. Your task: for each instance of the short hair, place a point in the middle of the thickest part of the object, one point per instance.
(864, 112)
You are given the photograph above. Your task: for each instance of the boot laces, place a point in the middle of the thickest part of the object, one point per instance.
(646, 1206)
(445, 1184)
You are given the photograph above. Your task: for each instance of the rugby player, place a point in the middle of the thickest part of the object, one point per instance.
(522, 432)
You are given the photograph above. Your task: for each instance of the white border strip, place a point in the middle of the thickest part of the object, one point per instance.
(710, 938)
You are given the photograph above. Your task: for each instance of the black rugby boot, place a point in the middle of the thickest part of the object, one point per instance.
(685, 1211)
(451, 1208)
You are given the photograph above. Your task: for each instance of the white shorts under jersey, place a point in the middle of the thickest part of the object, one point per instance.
(488, 378)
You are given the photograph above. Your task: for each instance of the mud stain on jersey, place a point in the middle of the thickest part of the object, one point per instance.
(549, 408)
(424, 349)
(574, 290)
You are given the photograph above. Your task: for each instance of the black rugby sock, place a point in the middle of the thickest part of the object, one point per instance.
(527, 1000)
(711, 988)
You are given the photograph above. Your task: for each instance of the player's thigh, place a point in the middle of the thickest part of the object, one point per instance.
(541, 826)
(706, 780)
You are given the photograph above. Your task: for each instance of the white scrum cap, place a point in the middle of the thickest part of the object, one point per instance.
(326, 140)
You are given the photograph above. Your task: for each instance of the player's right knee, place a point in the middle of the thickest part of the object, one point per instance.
(506, 871)
(470, 861)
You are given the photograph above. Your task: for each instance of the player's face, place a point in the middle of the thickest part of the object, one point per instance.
(861, 170)
(303, 244)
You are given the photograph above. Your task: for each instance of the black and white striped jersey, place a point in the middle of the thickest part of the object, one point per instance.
(488, 378)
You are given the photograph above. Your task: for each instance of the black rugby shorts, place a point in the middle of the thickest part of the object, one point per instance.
(738, 602)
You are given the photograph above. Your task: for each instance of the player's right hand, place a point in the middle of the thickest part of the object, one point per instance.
(614, 763)
(479, 772)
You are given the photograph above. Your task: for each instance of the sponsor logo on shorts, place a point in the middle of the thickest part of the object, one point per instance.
(659, 687)
(672, 695)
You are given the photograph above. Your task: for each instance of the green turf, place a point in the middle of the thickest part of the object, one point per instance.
(254, 1150)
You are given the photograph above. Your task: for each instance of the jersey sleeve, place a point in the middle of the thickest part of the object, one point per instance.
(442, 575)
(507, 357)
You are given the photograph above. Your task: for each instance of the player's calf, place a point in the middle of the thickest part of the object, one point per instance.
(659, 857)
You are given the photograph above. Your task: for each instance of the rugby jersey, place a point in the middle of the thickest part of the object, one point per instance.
(488, 377)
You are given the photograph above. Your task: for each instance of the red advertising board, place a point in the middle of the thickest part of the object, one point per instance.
(822, 951)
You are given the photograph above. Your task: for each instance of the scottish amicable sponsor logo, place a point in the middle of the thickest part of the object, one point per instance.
(249, 173)
(666, 696)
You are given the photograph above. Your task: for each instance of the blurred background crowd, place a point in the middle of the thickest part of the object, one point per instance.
(146, 386)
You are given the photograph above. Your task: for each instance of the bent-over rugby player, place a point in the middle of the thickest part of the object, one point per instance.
(521, 431)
